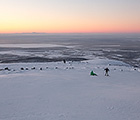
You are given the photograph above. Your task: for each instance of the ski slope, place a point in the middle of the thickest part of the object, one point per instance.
(67, 91)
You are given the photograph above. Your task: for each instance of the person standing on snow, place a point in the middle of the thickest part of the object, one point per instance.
(106, 71)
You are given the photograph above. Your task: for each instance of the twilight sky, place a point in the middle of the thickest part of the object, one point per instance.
(68, 16)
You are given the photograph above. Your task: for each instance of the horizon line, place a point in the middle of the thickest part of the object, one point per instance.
(73, 33)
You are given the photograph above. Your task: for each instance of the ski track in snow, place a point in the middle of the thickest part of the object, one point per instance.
(68, 92)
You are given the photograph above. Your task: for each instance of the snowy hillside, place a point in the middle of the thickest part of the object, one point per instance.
(58, 91)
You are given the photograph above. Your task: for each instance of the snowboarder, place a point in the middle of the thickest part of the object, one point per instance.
(106, 71)
(93, 74)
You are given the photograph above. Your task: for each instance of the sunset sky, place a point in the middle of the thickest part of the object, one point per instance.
(69, 16)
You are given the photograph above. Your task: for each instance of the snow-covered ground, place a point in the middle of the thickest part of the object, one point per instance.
(67, 91)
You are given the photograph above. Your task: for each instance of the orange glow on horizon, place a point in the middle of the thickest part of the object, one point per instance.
(70, 31)
(68, 27)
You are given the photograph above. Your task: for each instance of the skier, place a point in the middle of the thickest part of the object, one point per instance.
(106, 71)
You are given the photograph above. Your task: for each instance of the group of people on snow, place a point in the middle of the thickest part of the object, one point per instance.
(106, 72)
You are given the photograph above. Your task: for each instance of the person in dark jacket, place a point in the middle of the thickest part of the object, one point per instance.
(64, 61)
(106, 71)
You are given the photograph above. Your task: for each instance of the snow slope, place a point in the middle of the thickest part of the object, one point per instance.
(67, 91)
